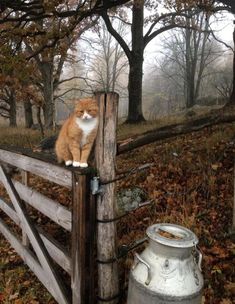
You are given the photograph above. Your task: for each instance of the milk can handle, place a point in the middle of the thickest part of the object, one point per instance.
(199, 263)
(138, 260)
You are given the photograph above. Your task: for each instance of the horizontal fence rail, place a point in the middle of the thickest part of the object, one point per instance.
(49, 171)
(79, 259)
(55, 211)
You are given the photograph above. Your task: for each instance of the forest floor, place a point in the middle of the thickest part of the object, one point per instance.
(190, 181)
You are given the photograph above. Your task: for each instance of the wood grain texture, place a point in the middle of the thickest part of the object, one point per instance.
(55, 211)
(105, 154)
(51, 172)
(55, 250)
(190, 125)
(78, 240)
(35, 240)
(29, 259)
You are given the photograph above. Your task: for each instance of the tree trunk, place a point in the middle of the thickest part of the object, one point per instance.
(189, 77)
(39, 120)
(48, 110)
(190, 93)
(135, 92)
(232, 97)
(48, 94)
(202, 61)
(28, 114)
(12, 111)
(135, 113)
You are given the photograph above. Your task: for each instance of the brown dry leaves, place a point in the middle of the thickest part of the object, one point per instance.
(191, 183)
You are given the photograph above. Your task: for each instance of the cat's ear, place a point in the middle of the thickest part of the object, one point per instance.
(76, 103)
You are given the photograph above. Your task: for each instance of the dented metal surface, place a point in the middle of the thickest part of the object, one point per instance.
(168, 270)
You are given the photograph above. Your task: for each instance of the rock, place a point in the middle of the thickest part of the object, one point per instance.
(128, 193)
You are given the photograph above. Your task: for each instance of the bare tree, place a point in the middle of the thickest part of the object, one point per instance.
(176, 16)
(222, 80)
(49, 62)
(188, 56)
(106, 59)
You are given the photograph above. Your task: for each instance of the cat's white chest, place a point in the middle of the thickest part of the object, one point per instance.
(87, 126)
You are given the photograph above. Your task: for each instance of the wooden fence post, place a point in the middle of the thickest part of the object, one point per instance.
(83, 235)
(105, 154)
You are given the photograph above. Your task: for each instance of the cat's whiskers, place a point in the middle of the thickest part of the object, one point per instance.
(86, 116)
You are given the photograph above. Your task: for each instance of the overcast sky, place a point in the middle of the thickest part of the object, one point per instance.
(222, 26)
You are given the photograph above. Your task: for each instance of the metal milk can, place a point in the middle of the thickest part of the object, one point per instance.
(168, 270)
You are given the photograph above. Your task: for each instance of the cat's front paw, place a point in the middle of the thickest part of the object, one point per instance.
(83, 165)
(76, 164)
(68, 162)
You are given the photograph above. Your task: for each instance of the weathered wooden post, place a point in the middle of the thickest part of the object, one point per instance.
(83, 234)
(105, 154)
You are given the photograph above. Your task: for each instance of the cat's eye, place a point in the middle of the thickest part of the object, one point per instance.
(92, 112)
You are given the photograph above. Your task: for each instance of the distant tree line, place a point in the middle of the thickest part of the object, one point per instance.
(40, 38)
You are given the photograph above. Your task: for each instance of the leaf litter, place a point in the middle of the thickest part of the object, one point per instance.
(190, 183)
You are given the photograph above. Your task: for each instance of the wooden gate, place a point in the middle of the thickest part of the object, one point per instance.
(83, 222)
(38, 249)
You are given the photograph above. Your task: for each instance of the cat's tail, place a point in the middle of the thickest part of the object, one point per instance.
(59, 160)
(48, 143)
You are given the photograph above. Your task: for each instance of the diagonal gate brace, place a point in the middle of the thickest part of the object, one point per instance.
(53, 282)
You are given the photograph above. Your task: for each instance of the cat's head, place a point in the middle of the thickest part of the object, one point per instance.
(86, 108)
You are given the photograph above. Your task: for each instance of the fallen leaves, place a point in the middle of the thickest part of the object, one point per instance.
(13, 296)
(1, 297)
(230, 287)
(194, 189)
(226, 301)
(191, 183)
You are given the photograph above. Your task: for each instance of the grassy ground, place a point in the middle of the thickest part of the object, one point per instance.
(29, 138)
(20, 136)
(191, 184)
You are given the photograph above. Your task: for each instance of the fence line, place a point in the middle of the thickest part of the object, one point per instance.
(92, 222)
(76, 262)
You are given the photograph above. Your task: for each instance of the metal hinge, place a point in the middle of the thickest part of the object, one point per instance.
(95, 186)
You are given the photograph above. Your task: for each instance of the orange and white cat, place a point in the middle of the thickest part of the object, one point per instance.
(78, 134)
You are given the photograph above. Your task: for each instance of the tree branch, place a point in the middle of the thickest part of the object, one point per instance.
(215, 117)
(116, 35)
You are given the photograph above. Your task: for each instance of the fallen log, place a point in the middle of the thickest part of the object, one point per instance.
(213, 118)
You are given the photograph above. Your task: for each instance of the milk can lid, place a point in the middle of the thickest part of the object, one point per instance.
(172, 235)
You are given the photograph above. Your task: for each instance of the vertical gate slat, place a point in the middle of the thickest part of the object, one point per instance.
(82, 278)
(78, 239)
(91, 234)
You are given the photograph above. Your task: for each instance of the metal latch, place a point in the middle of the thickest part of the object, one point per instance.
(95, 185)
